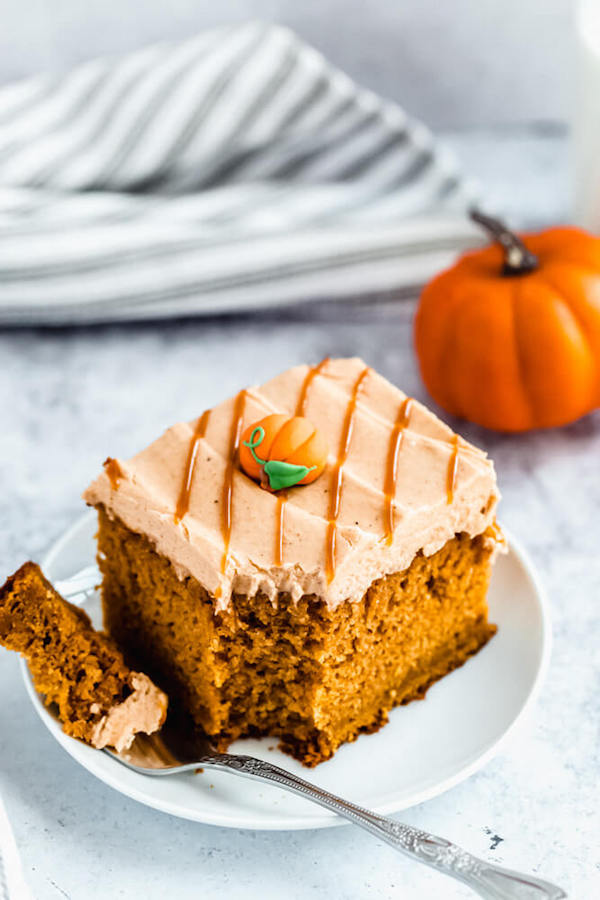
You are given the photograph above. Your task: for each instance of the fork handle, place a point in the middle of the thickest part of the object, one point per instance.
(489, 881)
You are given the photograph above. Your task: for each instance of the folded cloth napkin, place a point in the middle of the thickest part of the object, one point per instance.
(236, 170)
(12, 883)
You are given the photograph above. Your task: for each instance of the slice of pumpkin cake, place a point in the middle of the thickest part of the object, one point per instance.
(301, 558)
(77, 669)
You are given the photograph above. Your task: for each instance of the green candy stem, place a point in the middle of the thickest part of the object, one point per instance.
(251, 444)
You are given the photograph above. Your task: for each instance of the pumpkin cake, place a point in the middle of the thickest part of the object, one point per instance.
(305, 610)
(97, 697)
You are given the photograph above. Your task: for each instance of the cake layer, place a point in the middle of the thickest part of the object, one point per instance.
(98, 698)
(398, 483)
(312, 675)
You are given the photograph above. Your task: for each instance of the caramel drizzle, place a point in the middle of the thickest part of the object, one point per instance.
(114, 472)
(496, 531)
(183, 503)
(281, 501)
(310, 376)
(338, 476)
(391, 478)
(227, 503)
(452, 471)
(283, 498)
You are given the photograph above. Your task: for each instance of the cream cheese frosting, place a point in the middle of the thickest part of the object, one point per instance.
(142, 712)
(442, 486)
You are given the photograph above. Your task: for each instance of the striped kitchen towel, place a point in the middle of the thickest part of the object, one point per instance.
(237, 170)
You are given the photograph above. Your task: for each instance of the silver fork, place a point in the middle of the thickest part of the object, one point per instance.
(79, 587)
(170, 754)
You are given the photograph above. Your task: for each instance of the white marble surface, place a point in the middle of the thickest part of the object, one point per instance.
(70, 397)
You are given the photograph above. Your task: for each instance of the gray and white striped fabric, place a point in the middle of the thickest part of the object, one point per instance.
(236, 170)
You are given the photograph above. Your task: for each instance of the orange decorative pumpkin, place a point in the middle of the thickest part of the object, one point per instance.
(282, 451)
(509, 337)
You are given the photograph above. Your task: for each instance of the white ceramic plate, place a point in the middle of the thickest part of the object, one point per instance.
(426, 748)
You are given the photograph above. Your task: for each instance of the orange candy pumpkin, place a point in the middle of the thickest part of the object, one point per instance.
(281, 451)
(509, 337)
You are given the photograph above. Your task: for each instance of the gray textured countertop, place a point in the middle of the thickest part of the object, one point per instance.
(70, 397)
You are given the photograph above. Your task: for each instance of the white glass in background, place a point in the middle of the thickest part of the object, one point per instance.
(586, 117)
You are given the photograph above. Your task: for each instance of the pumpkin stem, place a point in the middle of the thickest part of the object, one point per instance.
(252, 443)
(518, 260)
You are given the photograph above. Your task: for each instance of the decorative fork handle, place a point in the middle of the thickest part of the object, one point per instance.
(489, 881)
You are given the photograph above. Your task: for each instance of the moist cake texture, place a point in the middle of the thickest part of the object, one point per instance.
(98, 698)
(308, 614)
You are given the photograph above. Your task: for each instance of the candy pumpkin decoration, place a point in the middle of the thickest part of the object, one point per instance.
(282, 451)
(509, 337)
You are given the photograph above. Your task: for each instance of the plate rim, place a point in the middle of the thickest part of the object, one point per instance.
(324, 820)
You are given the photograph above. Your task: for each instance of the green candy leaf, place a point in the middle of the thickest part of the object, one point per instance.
(284, 475)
